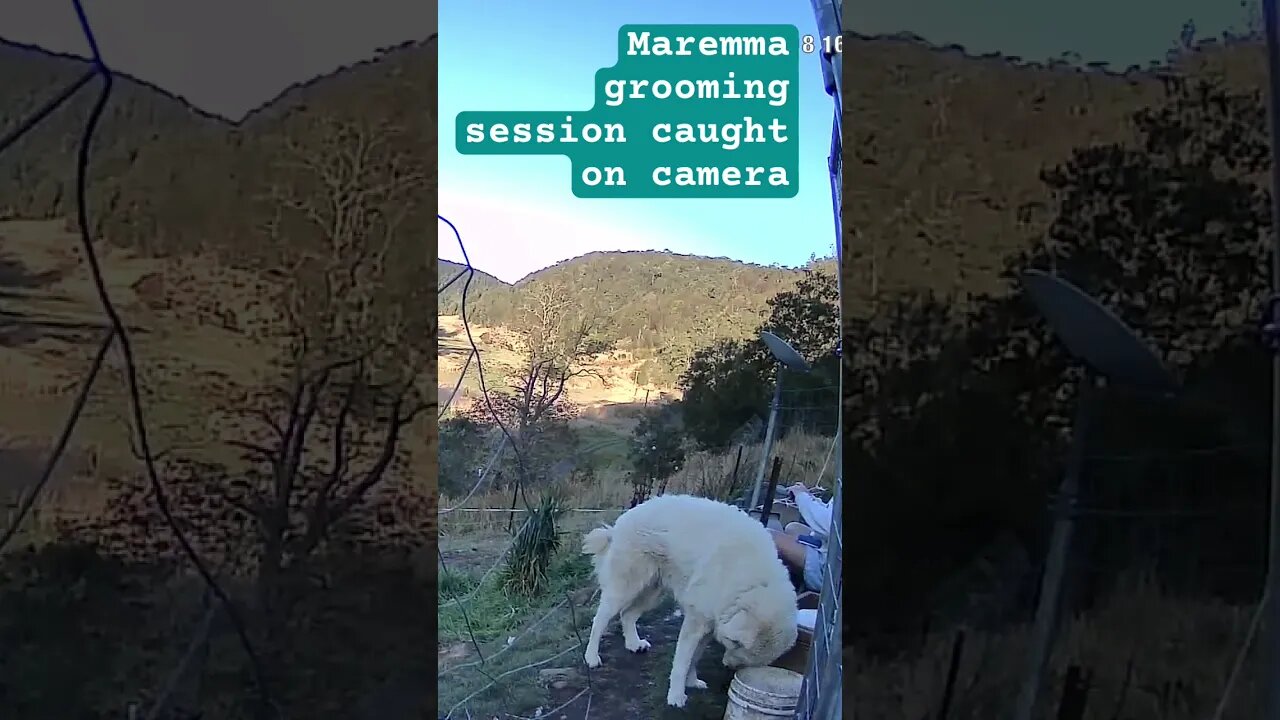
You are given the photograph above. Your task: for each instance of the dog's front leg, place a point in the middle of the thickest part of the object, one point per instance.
(692, 631)
(692, 680)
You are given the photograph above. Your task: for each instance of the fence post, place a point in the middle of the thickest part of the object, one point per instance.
(767, 507)
(1075, 694)
(733, 479)
(515, 495)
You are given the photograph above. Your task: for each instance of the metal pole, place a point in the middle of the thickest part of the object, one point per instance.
(774, 408)
(1056, 561)
(767, 506)
(1272, 643)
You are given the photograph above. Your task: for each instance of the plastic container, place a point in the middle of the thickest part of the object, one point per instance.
(757, 693)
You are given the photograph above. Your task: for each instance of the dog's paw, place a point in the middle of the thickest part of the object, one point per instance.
(676, 697)
(695, 683)
(593, 659)
(640, 646)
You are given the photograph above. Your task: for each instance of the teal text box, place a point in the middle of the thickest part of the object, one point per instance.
(731, 89)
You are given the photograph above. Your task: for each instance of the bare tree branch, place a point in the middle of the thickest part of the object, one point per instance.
(258, 451)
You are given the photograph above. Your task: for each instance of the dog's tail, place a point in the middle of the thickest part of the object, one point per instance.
(596, 542)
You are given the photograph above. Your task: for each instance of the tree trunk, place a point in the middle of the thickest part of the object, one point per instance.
(269, 594)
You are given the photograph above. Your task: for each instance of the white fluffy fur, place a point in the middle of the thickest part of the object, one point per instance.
(719, 563)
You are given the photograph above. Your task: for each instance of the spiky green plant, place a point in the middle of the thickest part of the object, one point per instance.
(534, 546)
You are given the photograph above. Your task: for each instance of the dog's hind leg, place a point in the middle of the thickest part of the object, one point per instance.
(609, 606)
(692, 632)
(624, 578)
(611, 602)
(645, 602)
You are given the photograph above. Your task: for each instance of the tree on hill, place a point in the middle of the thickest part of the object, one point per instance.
(728, 383)
(557, 337)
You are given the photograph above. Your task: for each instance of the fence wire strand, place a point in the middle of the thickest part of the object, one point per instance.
(29, 499)
(119, 334)
(475, 361)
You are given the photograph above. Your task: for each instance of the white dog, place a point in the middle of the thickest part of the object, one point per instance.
(720, 564)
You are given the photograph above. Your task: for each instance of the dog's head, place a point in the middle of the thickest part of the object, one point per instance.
(755, 637)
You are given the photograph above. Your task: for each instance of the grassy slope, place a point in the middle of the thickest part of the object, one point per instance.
(947, 151)
(658, 307)
(172, 194)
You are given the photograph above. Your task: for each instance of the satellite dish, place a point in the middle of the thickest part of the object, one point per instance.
(784, 353)
(1096, 336)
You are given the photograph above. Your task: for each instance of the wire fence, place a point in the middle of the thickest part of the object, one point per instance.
(491, 675)
(1159, 610)
(119, 337)
(501, 660)
(218, 611)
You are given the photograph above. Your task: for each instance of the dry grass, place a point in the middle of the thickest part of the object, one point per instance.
(1152, 657)
(614, 386)
(186, 351)
(708, 474)
(192, 322)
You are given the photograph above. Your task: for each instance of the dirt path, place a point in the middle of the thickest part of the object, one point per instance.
(634, 687)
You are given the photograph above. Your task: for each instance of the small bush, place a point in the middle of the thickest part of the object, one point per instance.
(533, 548)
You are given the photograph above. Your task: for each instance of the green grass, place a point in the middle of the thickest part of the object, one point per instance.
(605, 446)
(494, 612)
(494, 615)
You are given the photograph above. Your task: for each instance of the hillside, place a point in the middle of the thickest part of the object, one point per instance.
(962, 164)
(947, 150)
(611, 395)
(658, 306)
(188, 209)
(37, 173)
(194, 218)
(188, 206)
(166, 178)
(449, 301)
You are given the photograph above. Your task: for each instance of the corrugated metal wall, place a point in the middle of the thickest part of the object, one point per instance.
(820, 697)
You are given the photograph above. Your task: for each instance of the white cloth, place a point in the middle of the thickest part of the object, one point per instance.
(806, 619)
(816, 514)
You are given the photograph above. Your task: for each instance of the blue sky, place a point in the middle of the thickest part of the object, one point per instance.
(518, 214)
